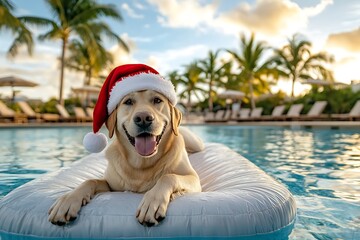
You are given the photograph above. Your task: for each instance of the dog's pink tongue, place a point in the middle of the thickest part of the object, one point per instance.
(145, 145)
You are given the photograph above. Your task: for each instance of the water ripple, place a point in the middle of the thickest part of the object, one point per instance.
(320, 167)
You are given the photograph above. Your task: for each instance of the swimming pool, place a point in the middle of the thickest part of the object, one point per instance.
(321, 167)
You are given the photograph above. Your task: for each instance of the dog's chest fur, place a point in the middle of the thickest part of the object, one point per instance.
(121, 176)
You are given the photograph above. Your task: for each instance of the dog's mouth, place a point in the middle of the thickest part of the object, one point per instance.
(145, 143)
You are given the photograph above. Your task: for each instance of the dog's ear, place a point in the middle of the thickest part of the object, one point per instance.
(175, 119)
(111, 123)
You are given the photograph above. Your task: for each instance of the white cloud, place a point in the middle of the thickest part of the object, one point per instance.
(169, 60)
(317, 9)
(347, 69)
(348, 41)
(120, 55)
(269, 17)
(265, 16)
(130, 11)
(41, 68)
(139, 5)
(184, 13)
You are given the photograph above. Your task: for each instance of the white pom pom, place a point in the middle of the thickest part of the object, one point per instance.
(95, 142)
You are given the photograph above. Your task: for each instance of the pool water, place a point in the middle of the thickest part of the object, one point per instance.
(321, 167)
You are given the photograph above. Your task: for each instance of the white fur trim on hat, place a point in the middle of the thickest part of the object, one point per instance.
(95, 142)
(139, 82)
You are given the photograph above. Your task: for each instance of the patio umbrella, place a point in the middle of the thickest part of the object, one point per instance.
(11, 81)
(264, 96)
(232, 94)
(319, 82)
(86, 89)
(87, 93)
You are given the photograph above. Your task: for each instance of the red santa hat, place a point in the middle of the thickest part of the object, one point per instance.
(120, 82)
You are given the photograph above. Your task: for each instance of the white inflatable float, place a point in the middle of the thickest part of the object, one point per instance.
(238, 201)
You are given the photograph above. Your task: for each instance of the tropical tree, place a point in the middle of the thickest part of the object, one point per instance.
(90, 61)
(191, 80)
(10, 22)
(255, 70)
(213, 69)
(175, 78)
(229, 79)
(77, 19)
(296, 61)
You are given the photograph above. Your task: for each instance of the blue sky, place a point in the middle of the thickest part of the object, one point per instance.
(167, 34)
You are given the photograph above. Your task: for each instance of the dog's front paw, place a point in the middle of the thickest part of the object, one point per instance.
(66, 208)
(152, 208)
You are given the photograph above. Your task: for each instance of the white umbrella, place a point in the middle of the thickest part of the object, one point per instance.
(11, 81)
(87, 89)
(232, 94)
(320, 82)
(264, 96)
(87, 93)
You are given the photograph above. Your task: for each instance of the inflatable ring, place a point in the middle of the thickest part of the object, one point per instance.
(238, 201)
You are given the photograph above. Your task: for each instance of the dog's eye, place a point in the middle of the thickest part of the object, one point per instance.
(129, 102)
(157, 100)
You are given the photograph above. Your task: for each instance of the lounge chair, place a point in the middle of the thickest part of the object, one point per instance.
(256, 114)
(209, 117)
(235, 109)
(244, 114)
(354, 113)
(31, 114)
(90, 112)
(217, 117)
(81, 115)
(277, 112)
(7, 114)
(64, 114)
(234, 114)
(315, 113)
(293, 113)
(227, 115)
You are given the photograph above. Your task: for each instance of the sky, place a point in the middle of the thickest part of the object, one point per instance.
(168, 34)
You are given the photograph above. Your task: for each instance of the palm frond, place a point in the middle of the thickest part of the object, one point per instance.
(37, 21)
(23, 37)
(95, 12)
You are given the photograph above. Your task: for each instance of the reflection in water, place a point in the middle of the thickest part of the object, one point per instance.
(320, 167)
(29, 153)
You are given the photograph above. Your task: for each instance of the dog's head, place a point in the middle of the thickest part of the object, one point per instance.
(142, 120)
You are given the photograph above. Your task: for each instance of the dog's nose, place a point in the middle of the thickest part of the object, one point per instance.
(143, 119)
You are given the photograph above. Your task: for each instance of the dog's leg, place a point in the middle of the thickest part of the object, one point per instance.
(153, 206)
(66, 208)
(193, 143)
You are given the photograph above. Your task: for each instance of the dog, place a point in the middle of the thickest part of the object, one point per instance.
(149, 155)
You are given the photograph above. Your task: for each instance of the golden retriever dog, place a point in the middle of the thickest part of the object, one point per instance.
(149, 155)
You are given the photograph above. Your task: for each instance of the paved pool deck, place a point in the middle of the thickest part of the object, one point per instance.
(291, 124)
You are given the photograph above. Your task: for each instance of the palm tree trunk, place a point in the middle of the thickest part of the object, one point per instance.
(293, 86)
(188, 107)
(210, 102)
(252, 92)
(88, 77)
(62, 68)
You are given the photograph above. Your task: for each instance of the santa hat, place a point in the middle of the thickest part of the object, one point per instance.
(120, 82)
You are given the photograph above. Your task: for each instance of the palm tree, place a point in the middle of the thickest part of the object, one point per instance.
(77, 19)
(228, 78)
(190, 80)
(296, 61)
(212, 70)
(252, 70)
(91, 61)
(175, 78)
(8, 21)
